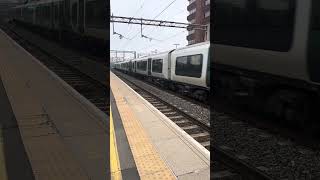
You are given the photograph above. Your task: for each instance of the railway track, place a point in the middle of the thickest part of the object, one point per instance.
(225, 163)
(204, 104)
(196, 129)
(197, 112)
(92, 89)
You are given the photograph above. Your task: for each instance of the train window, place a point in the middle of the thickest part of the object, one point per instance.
(74, 14)
(142, 65)
(260, 24)
(41, 16)
(37, 14)
(138, 65)
(42, 10)
(315, 19)
(157, 65)
(189, 65)
(95, 15)
(47, 14)
(313, 54)
(56, 12)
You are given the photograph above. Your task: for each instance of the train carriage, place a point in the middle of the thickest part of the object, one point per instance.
(186, 69)
(142, 66)
(189, 65)
(160, 64)
(80, 22)
(268, 50)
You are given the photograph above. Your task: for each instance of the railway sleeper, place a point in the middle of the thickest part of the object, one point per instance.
(169, 113)
(192, 129)
(160, 107)
(198, 137)
(166, 110)
(185, 125)
(176, 117)
(180, 121)
(205, 143)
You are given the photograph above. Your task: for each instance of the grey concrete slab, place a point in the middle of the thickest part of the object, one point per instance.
(94, 154)
(202, 174)
(180, 158)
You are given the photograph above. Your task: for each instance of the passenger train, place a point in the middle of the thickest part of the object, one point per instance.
(269, 52)
(82, 22)
(185, 70)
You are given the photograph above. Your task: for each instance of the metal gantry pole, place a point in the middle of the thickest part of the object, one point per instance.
(152, 22)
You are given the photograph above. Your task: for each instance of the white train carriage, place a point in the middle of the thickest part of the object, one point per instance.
(134, 65)
(189, 65)
(160, 65)
(142, 66)
(186, 70)
(79, 21)
(269, 50)
(124, 66)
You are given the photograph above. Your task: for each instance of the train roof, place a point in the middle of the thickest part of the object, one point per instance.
(122, 62)
(206, 43)
(161, 53)
(141, 58)
(37, 3)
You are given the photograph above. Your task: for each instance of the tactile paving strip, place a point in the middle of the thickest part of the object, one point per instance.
(149, 163)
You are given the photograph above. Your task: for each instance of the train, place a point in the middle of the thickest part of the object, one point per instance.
(266, 52)
(81, 22)
(185, 70)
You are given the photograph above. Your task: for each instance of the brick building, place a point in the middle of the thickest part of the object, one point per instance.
(199, 13)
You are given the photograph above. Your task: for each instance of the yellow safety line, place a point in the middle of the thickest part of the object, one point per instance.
(149, 163)
(3, 170)
(114, 157)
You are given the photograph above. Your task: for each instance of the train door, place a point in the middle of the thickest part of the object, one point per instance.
(130, 66)
(135, 66)
(81, 16)
(67, 14)
(34, 15)
(313, 55)
(208, 68)
(55, 11)
(169, 65)
(51, 8)
(149, 66)
(74, 15)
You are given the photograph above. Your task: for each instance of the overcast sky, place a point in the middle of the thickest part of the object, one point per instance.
(164, 37)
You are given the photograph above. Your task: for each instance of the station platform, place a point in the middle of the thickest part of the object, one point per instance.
(49, 131)
(147, 143)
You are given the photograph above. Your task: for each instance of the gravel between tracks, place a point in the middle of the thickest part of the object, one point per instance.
(200, 113)
(279, 157)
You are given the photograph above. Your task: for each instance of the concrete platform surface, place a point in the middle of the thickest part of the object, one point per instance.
(149, 132)
(64, 135)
